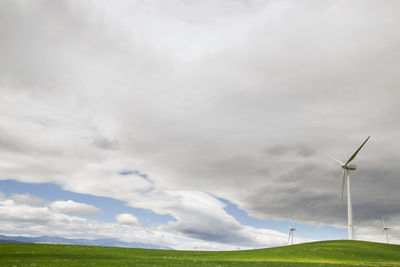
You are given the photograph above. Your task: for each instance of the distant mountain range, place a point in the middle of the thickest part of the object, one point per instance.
(107, 242)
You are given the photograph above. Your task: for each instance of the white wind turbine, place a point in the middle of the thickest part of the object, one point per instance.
(292, 229)
(346, 168)
(386, 229)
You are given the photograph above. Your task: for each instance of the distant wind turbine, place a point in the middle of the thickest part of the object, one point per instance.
(292, 229)
(385, 229)
(346, 168)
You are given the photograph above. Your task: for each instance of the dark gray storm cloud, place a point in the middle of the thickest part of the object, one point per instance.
(240, 99)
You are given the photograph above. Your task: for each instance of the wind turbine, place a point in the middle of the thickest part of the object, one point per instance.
(292, 229)
(385, 229)
(346, 168)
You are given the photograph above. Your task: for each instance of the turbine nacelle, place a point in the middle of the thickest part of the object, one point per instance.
(349, 167)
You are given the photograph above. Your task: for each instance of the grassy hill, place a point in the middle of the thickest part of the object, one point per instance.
(326, 253)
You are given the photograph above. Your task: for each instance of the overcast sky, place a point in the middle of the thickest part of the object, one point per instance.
(186, 108)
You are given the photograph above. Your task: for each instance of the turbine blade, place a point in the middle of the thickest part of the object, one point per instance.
(343, 181)
(290, 232)
(355, 153)
(335, 159)
(383, 222)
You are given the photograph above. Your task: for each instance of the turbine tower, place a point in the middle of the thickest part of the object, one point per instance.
(346, 168)
(386, 229)
(292, 229)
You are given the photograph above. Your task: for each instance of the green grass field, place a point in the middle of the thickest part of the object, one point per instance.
(326, 253)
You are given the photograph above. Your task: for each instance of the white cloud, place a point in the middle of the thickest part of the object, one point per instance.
(24, 214)
(73, 207)
(126, 219)
(19, 219)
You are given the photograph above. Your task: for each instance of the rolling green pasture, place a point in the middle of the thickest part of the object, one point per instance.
(326, 253)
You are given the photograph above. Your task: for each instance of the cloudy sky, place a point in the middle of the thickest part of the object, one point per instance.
(201, 124)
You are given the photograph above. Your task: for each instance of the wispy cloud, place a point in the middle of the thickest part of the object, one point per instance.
(73, 207)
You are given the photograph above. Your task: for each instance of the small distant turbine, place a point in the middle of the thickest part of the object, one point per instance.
(346, 168)
(385, 229)
(292, 229)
